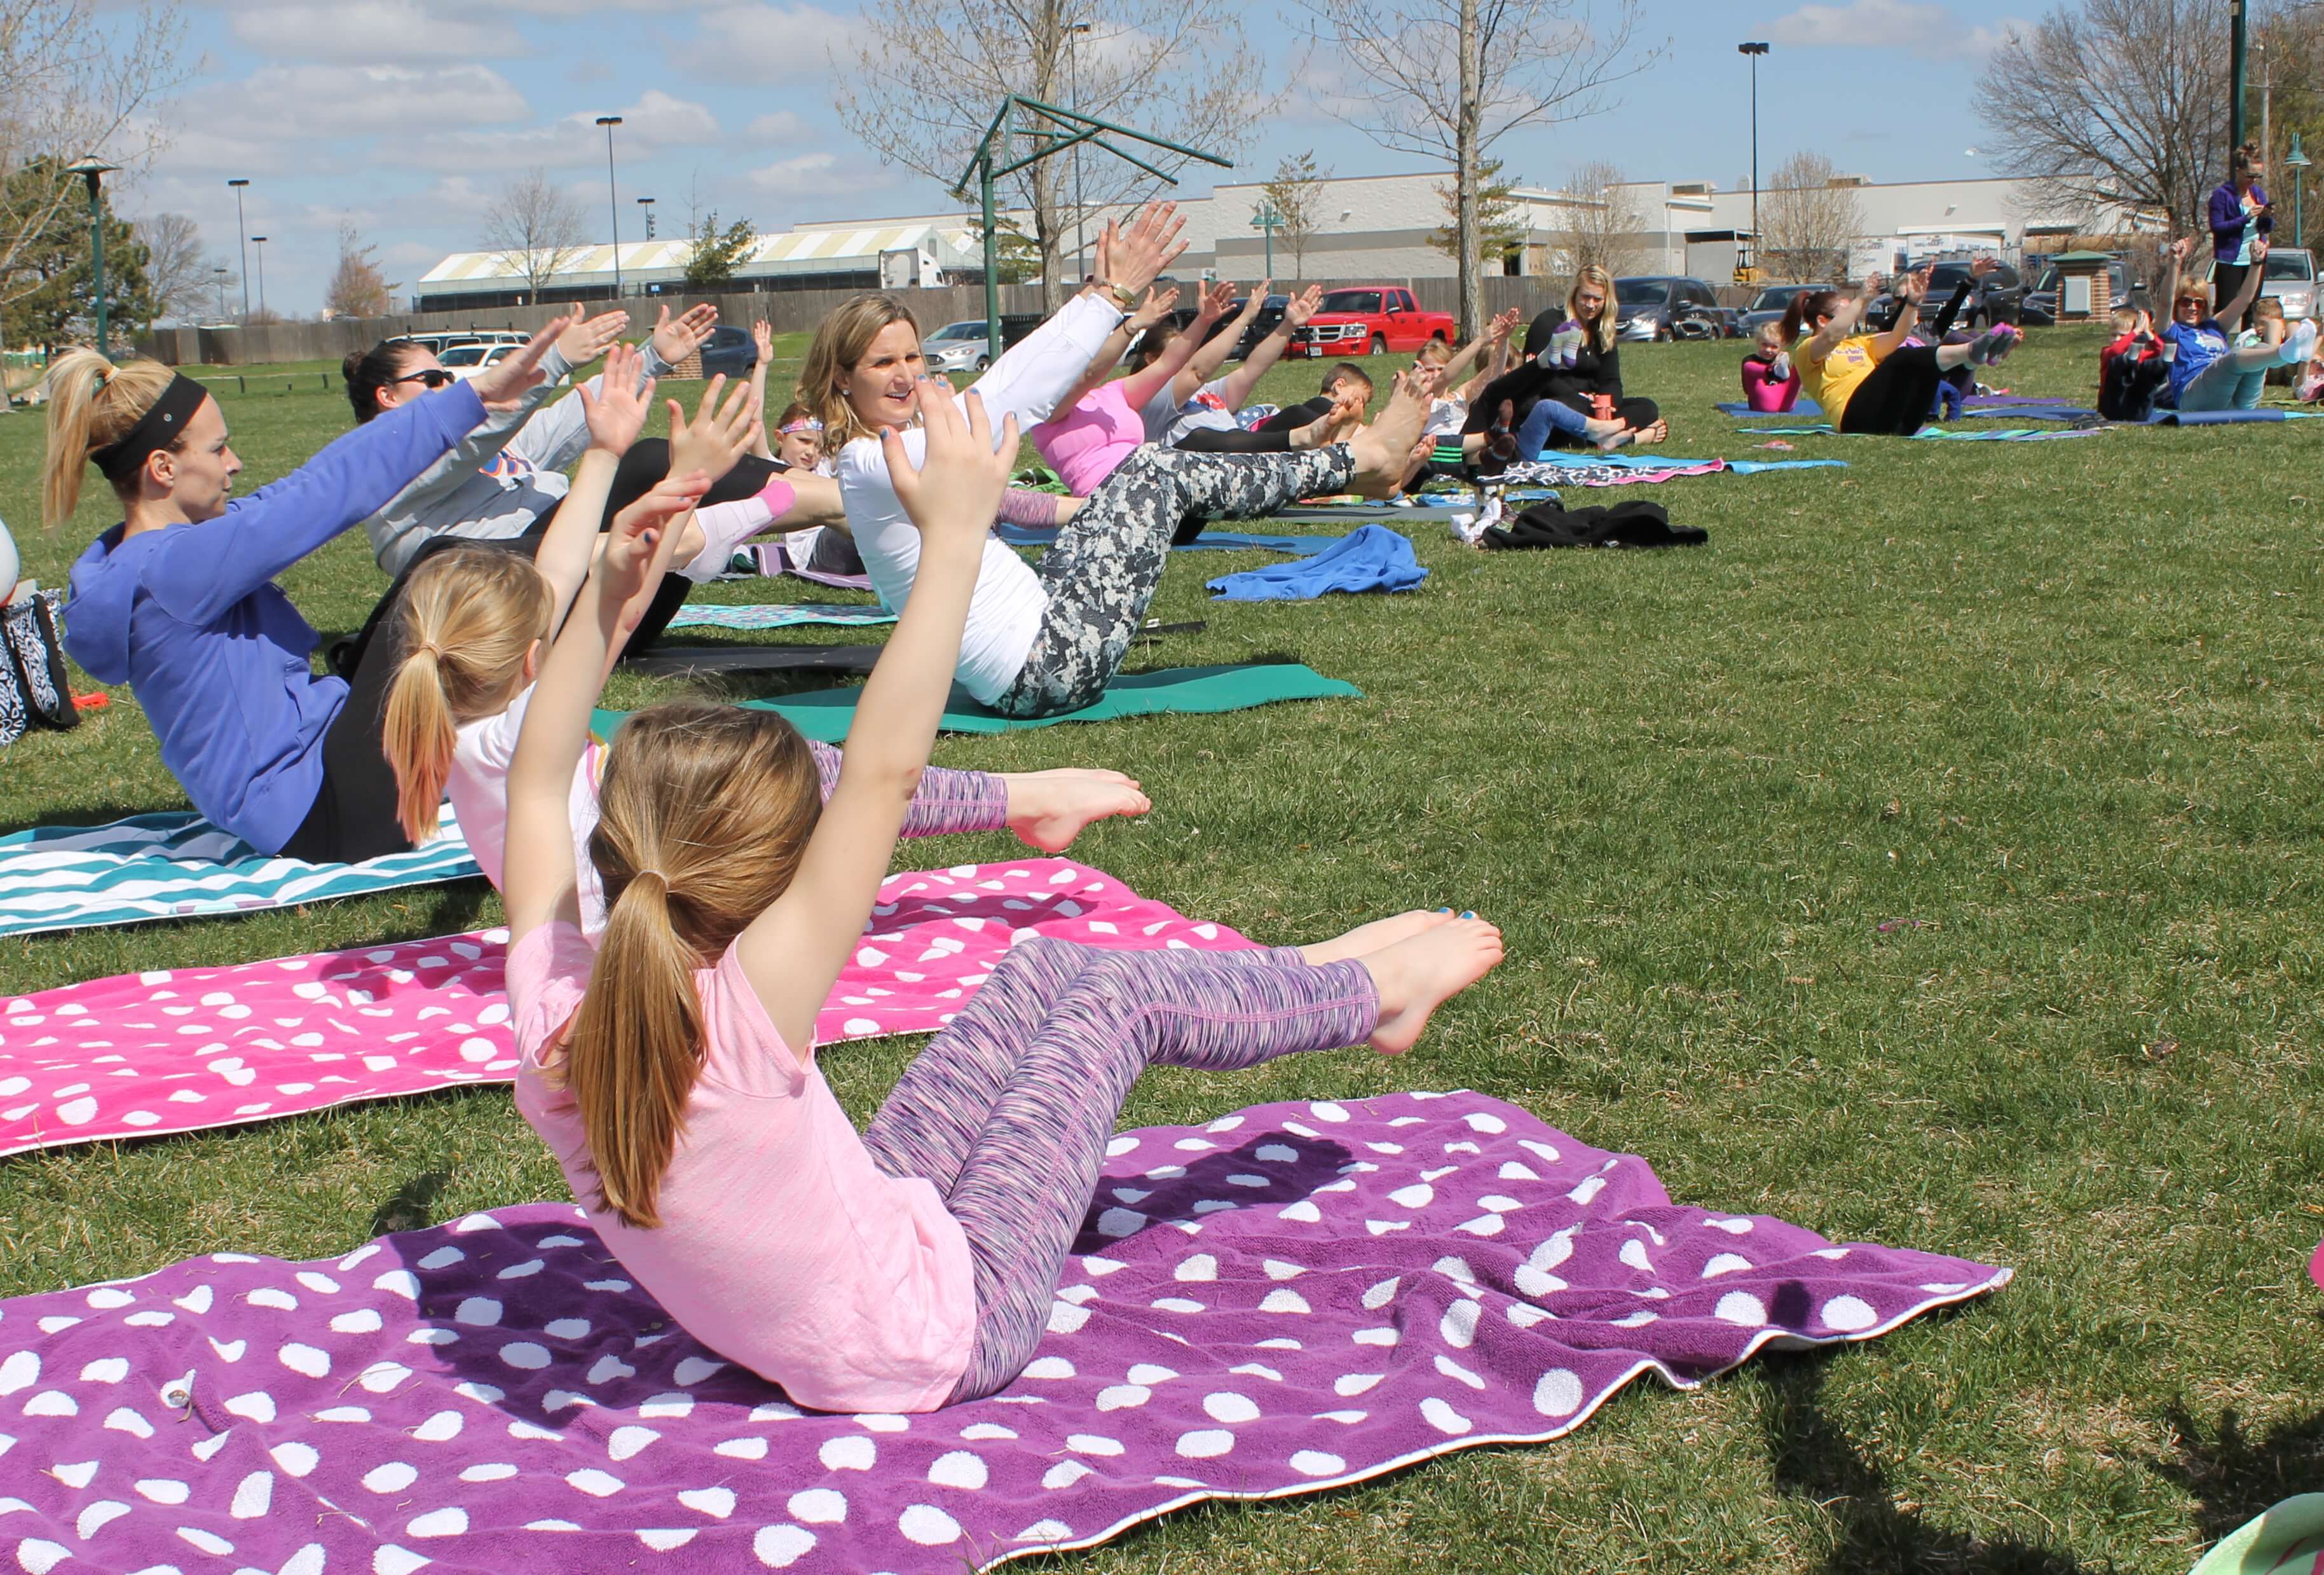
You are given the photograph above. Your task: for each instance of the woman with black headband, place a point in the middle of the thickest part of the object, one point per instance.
(179, 602)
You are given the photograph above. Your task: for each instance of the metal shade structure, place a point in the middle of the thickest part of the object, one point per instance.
(1067, 128)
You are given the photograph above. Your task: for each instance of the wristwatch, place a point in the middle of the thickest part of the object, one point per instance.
(1125, 298)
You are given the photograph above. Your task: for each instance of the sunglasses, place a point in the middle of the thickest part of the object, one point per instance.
(2191, 300)
(433, 376)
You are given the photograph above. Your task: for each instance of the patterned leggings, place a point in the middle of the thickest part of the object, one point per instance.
(1109, 558)
(946, 802)
(1009, 1110)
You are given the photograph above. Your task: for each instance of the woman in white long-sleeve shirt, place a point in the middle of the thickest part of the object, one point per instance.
(1042, 641)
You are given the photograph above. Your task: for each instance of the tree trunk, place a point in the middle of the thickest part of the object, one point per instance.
(1472, 263)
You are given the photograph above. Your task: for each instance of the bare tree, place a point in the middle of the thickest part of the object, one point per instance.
(1175, 68)
(535, 230)
(1296, 195)
(1807, 219)
(1603, 224)
(1449, 79)
(2294, 40)
(78, 80)
(176, 272)
(2115, 104)
(358, 287)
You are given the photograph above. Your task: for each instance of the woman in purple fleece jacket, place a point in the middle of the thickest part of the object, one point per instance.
(2240, 215)
(179, 601)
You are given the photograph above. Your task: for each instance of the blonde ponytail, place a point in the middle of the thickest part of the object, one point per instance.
(468, 618)
(704, 813)
(92, 405)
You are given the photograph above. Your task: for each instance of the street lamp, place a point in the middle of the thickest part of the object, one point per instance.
(2297, 163)
(1754, 51)
(647, 203)
(218, 278)
(260, 241)
(93, 170)
(1073, 31)
(1267, 221)
(613, 198)
(242, 234)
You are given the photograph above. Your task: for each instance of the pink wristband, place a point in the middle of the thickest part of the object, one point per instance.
(778, 496)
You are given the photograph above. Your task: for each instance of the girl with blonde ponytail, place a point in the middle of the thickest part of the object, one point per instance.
(470, 622)
(179, 602)
(672, 1068)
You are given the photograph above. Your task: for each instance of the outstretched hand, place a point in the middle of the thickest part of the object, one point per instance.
(503, 385)
(719, 432)
(1301, 307)
(617, 413)
(1158, 305)
(586, 339)
(957, 488)
(640, 542)
(675, 341)
(1499, 331)
(763, 336)
(1217, 296)
(1140, 252)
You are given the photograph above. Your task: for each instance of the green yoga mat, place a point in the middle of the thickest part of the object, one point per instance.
(825, 714)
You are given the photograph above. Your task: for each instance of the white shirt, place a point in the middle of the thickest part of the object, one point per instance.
(1005, 613)
(1446, 417)
(1205, 410)
(477, 785)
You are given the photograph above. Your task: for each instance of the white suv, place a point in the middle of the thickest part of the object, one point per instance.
(2292, 279)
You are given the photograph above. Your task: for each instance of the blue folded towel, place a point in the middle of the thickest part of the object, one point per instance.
(1367, 558)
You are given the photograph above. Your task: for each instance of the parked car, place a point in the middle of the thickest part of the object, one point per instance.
(2040, 306)
(1661, 307)
(729, 351)
(2292, 279)
(957, 346)
(1369, 321)
(1770, 306)
(1262, 323)
(465, 360)
(1998, 295)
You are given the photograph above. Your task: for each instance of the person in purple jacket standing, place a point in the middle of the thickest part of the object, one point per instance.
(179, 600)
(2240, 215)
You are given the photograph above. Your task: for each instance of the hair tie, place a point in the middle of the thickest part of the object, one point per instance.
(104, 377)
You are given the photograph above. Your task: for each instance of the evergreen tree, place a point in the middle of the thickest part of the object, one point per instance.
(60, 306)
(716, 254)
(1502, 222)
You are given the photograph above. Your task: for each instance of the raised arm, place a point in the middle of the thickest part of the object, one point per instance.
(762, 339)
(1152, 311)
(1191, 375)
(1498, 335)
(1826, 339)
(1211, 354)
(202, 569)
(792, 953)
(1910, 288)
(616, 414)
(540, 885)
(1269, 350)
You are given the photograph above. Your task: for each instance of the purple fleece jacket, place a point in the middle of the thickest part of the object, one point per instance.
(189, 617)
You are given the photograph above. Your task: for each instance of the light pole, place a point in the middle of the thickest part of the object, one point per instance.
(218, 277)
(2238, 49)
(1266, 221)
(613, 198)
(647, 203)
(260, 241)
(93, 170)
(2297, 162)
(241, 232)
(1073, 31)
(1754, 51)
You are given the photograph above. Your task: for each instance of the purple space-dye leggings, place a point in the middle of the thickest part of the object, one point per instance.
(1008, 1112)
(945, 802)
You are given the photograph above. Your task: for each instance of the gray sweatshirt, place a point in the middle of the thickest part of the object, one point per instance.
(505, 475)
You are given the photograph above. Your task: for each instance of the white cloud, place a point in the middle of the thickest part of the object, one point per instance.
(655, 122)
(772, 43)
(815, 175)
(783, 126)
(370, 31)
(1890, 24)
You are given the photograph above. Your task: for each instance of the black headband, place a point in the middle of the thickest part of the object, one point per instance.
(161, 425)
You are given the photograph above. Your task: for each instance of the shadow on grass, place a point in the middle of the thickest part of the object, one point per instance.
(2233, 1474)
(1813, 1459)
(411, 1206)
(101, 815)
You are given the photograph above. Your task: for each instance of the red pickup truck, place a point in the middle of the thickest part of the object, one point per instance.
(1369, 321)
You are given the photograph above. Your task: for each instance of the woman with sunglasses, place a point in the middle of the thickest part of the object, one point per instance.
(2206, 371)
(179, 601)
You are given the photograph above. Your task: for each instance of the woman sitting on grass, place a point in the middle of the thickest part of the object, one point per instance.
(1568, 391)
(473, 622)
(179, 600)
(672, 1068)
(1042, 641)
(2208, 372)
(1878, 383)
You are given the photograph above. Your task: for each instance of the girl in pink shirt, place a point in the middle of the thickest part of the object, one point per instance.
(672, 1067)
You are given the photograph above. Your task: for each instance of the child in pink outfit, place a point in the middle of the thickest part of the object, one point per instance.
(1771, 384)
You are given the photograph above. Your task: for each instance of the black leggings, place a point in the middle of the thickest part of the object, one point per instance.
(1896, 400)
(1213, 440)
(2226, 279)
(353, 816)
(1297, 415)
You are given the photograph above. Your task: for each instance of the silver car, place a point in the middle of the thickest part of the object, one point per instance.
(2292, 279)
(957, 346)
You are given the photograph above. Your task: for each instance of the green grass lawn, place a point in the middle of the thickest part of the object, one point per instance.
(1933, 860)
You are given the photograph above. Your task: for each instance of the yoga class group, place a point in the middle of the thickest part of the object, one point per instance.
(988, 1323)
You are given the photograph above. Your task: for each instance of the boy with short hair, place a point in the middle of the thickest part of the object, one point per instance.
(2134, 369)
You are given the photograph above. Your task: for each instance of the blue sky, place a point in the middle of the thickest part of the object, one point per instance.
(406, 116)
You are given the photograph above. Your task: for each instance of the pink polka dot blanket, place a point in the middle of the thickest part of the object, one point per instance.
(190, 1049)
(1292, 1297)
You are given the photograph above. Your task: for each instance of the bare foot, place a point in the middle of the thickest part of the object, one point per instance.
(1422, 972)
(1653, 432)
(1608, 435)
(1377, 936)
(1383, 449)
(1048, 808)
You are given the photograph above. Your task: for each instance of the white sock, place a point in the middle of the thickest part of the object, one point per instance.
(2298, 345)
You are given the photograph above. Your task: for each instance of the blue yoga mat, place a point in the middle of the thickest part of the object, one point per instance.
(2224, 418)
(1209, 541)
(1803, 406)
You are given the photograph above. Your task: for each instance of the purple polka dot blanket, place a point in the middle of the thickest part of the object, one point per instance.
(1292, 1297)
(189, 1049)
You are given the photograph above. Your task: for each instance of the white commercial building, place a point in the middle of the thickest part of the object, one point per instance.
(1367, 227)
